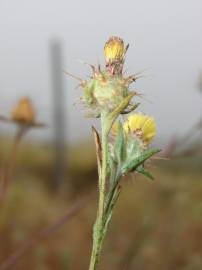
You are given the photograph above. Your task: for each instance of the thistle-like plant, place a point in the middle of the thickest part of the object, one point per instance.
(24, 117)
(120, 147)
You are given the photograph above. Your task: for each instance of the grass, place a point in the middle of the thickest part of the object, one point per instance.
(157, 224)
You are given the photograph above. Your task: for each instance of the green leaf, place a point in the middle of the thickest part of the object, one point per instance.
(111, 201)
(145, 172)
(119, 147)
(122, 106)
(111, 117)
(98, 149)
(132, 108)
(113, 193)
(133, 148)
(135, 163)
(112, 169)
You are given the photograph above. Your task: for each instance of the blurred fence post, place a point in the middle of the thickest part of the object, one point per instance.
(59, 119)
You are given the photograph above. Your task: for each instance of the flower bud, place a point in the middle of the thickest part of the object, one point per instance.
(23, 112)
(114, 50)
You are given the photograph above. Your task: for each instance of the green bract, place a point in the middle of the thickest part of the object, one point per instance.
(105, 91)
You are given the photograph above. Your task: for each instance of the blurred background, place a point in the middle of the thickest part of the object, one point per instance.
(46, 172)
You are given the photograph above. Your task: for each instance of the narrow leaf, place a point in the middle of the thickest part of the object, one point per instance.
(135, 163)
(111, 203)
(145, 172)
(98, 149)
(119, 147)
(131, 109)
(119, 109)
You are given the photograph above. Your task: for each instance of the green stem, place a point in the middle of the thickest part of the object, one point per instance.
(104, 215)
(99, 232)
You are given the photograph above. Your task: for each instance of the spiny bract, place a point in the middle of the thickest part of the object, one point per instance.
(105, 90)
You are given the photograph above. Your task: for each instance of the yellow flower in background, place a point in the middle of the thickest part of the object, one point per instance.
(23, 112)
(142, 126)
(114, 50)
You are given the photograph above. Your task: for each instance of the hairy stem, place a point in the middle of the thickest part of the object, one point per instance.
(99, 230)
(103, 215)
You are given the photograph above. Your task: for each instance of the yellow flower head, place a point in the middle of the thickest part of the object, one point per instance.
(23, 112)
(142, 126)
(114, 50)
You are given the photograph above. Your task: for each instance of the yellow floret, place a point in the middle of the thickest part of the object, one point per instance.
(142, 126)
(114, 50)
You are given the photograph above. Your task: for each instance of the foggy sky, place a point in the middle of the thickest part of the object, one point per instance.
(165, 39)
